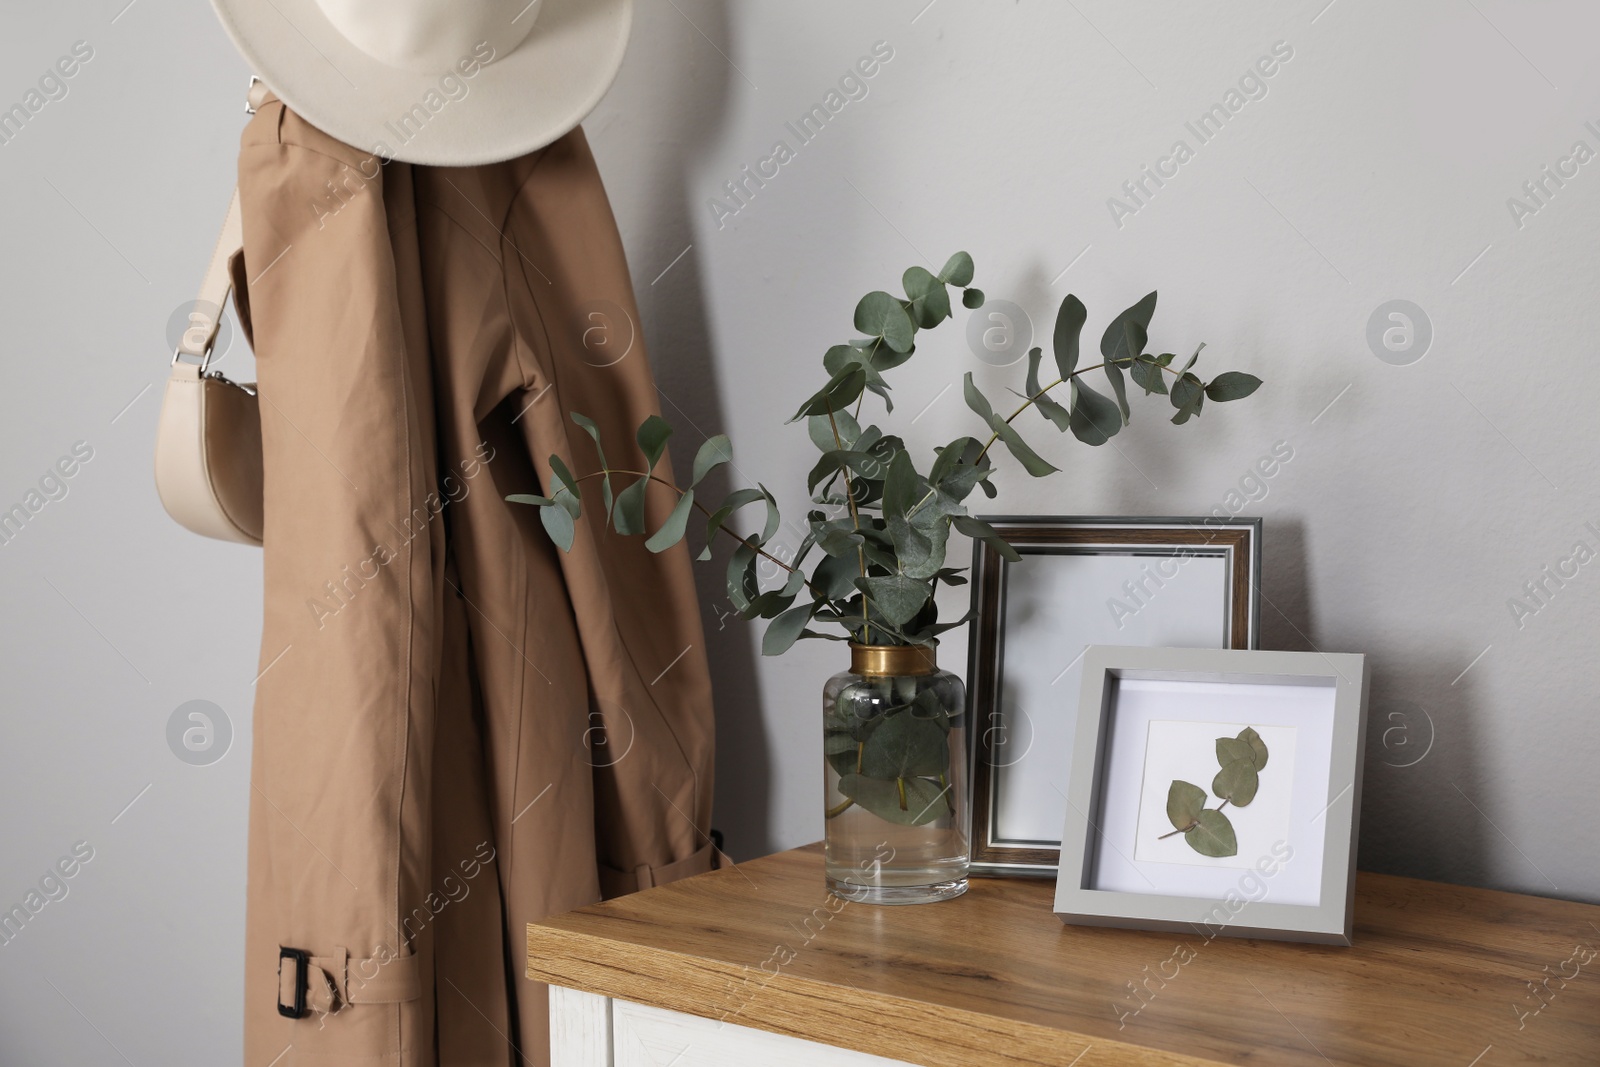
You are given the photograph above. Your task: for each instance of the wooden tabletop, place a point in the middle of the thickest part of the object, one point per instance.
(1438, 974)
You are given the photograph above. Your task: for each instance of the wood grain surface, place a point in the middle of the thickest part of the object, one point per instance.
(1439, 975)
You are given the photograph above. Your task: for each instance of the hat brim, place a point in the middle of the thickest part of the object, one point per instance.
(510, 107)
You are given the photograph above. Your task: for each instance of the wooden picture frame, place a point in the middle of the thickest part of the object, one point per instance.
(1220, 609)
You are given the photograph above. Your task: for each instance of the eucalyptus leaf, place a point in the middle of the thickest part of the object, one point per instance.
(1024, 454)
(652, 437)
(930, 300)
(773, 515)
(1213, 836)
(1132, 346)
(1231, 748)
(784, 631)
(569, 484)
(917, 280)
(925, 635)
(1065, 341)
(1148, 375)
(742, 583)
(671, 531)
(1237, 782)
(1095, 420)
(976, 400)
(1184, 801)
(958, 467)
(881, 315)
(1232, 385)
(840, 543)
(896, 597)
(957, 270)
(1115, 342)
(870, 353)
(593, 431)
(918, 532)
(1031, 386)
(731, 503)
(569, 501)
(770, 604)
(1187, 396)
(558, 524)
(1257, 746)
(714, 453)
(628, 515)
(906, 745)
(821, 430)
(982, 531)
(837, 741)
(840, 392)
(835, 575)
(924, 800)
(972, 299)
(842, 752)
(1043, 401)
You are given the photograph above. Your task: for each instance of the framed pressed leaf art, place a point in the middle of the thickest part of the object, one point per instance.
(1214, 791)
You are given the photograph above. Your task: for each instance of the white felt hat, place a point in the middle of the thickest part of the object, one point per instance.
(439, 82)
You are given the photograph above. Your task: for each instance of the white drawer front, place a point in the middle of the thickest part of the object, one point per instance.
(651, 1037)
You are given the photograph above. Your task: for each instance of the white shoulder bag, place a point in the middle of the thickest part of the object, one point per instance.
(208, 441)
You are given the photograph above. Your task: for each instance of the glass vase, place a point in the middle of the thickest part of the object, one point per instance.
(895, 777)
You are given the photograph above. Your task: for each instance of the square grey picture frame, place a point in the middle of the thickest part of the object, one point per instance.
(1330, 919)
(1020, 750)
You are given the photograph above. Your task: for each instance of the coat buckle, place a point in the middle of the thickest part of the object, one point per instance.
(302, 965)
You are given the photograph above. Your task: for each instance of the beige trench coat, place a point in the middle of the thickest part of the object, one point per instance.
(458, 728)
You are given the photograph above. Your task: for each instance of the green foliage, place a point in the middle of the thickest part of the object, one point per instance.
(876, 538)
(1207, 830)
(1212, 835)
(1184, 803)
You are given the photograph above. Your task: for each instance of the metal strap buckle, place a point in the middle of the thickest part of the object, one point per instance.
(204, 357)
(248, 93)
(302, 966)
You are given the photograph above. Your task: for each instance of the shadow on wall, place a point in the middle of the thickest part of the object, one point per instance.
(1419, 802)
(1285, 593)
(680, 343)
(1421, 805)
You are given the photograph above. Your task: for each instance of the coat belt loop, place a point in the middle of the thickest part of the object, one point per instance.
(384, 979)
(616, 883)
(336, 980)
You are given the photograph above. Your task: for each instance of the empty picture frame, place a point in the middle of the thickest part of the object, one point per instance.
(1190, 582)
(1215, 792)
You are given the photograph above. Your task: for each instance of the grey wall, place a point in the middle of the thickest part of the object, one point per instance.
(1422, 495)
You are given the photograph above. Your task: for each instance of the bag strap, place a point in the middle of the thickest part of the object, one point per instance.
(206, 317)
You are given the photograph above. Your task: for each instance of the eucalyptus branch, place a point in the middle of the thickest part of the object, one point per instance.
(884, 507)
(1045, 389)
(1241, 760)
(1026, 404)
(604, 471)
(817, 593)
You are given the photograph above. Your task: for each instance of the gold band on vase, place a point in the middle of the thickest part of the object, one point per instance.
(892, 660)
